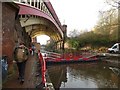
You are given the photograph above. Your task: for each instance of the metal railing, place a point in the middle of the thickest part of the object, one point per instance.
(43, 69)
(51, 55)
(38, 4)
(56, 57)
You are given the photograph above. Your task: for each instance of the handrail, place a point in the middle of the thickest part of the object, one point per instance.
(52, 54)
(43, 68)
(55, 57)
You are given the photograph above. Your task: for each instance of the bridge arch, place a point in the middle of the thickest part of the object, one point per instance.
(39, 18)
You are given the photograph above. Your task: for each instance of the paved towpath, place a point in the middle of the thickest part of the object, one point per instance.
(30, 76)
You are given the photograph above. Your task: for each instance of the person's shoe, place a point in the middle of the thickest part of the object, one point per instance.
(22, 81)
(18, 78)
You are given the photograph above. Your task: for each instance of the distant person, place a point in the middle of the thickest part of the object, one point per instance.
(21, 54)
(33, 49)
(30, 49)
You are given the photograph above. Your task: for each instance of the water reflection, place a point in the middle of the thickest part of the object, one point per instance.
(84, 75)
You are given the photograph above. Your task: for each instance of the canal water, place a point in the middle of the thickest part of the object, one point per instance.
(84, 75)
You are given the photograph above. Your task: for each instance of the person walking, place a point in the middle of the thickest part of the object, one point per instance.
(33, 50)
(21, 54)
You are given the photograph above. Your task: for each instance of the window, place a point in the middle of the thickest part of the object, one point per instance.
(114, 46)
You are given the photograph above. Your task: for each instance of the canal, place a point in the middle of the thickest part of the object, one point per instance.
(84, 75)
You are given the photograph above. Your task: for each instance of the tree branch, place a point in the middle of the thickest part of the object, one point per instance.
(112, 4)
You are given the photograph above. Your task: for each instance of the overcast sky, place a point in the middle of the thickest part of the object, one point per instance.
(77, 14)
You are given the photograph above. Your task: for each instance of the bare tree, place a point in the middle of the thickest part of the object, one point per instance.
(116, 4)
(113, 3)
(74, 33)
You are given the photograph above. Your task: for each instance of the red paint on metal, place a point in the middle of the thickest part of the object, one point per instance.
(28, 10)
(69, 57)
(50, 7)
(43, 66)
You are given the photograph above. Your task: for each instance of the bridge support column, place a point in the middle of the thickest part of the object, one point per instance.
(60, 45)
(63, 45)
(64, 35)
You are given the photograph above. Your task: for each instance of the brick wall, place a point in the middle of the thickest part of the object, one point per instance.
(20, 34)
(12, 32)
(8, 23)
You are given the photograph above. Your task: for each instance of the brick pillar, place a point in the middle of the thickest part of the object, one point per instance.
(64, 35)
(8, 27)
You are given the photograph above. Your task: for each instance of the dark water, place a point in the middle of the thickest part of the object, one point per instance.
(84, 75)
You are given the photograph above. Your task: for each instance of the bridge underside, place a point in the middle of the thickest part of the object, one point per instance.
(42, 21)
(40, 26)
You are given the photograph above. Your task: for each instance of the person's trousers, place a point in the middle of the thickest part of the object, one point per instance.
(21, 69)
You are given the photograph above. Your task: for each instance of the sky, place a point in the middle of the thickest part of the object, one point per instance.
(78, 14)
(43, 39)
